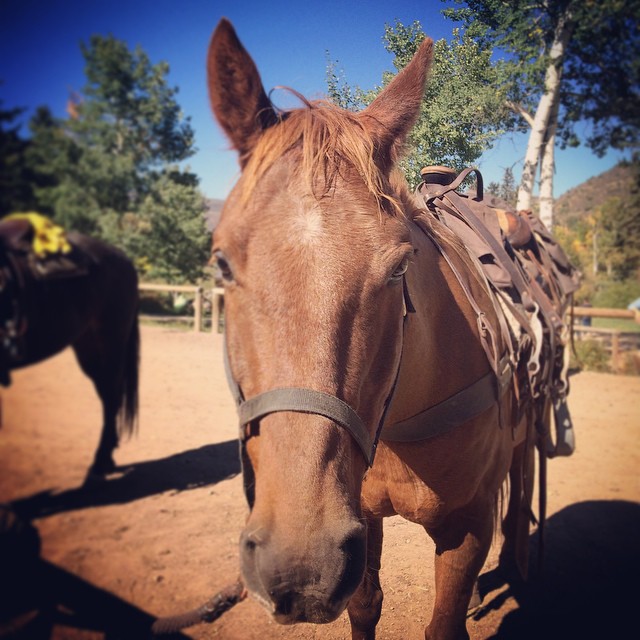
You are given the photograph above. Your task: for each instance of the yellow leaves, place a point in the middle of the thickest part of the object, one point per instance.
(48, 238)
(143, 264)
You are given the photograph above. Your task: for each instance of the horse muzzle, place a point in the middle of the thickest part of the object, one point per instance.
(303, 580)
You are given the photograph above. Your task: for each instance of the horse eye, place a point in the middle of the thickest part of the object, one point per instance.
(401, 269)
(223, 266)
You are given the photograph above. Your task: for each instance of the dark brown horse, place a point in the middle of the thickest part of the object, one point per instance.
(350, 307)
(86, 299)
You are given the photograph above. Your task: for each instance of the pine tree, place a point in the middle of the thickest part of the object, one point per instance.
(109, 168)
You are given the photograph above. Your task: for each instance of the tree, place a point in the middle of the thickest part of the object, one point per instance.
(16, 192)
(108, 165)
(605, 246)
(462, 113)
(617, 249)
(63, 190)
(128, 108)
(173, 240)
(505, 189)
(563, 66)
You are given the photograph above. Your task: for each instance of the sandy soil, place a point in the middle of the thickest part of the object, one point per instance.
(161, 535)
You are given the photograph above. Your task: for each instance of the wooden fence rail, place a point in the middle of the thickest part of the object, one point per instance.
(602, 312)
(217, 298)
(181, 288)
(217, 306)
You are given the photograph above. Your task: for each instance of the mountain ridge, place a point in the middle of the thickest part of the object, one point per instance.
(587, 197)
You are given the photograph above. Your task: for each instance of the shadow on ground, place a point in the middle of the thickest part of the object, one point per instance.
(187, 470)
(587, 587)
(39, 600)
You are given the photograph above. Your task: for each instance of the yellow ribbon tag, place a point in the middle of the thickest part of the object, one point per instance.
(48, 238)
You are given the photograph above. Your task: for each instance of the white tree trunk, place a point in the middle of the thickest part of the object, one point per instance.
(547, 170)
(544, 111)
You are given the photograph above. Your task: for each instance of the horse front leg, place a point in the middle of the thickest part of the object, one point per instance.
(366, 603)
(462, 544)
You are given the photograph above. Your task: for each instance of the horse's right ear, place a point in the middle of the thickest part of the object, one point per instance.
(237, 96)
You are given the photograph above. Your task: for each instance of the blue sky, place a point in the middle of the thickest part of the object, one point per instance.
(41, 63)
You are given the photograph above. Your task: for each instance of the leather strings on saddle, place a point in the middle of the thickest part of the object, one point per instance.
(532, 281)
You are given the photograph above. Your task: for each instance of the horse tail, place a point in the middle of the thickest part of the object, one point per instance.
(128, 414)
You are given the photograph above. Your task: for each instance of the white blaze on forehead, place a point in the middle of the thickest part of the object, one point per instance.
(306, 223)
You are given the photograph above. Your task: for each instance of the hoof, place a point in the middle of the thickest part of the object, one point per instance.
(102, 468)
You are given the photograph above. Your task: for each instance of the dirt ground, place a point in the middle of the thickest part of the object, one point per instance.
(161, 536)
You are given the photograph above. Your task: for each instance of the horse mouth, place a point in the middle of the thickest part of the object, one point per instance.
(310, 610)
(297, 607)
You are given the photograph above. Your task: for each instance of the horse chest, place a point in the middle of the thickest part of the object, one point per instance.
(393, 489)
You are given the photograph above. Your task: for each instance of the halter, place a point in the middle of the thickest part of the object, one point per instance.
(304, 400)
(310, 401)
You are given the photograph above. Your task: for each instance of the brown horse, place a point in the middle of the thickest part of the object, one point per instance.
(349, 307)
(87, 299)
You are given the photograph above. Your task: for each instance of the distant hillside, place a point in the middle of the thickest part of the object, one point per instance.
(212, 212)
(588, 196)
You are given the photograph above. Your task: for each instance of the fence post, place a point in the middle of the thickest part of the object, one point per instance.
(615, 351)
(197, 311)
(217, 302)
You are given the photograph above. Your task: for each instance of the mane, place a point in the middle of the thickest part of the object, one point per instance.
(331, 139)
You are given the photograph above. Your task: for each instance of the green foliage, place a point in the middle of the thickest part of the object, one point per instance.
(603, 240)
(599, 84)
(16, 191)
(129, 109)
(506, 189)
(616, 294)
(341, 93)
(591, 355)
(619, 237)
(107, 170)
(602, 74)
(462, 112)
(172, 232)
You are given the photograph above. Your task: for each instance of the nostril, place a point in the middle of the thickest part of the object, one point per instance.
(283, 600)
(250, 541)
(354, 549)
(250, 545)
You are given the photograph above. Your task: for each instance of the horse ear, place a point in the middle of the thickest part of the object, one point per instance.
(393, 113)
(238, 99)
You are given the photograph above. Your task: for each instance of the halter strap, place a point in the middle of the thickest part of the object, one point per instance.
(302, 400)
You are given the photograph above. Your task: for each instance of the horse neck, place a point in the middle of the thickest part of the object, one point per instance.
(442, 352)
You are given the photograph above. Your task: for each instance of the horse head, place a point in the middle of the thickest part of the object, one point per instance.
(312, 245)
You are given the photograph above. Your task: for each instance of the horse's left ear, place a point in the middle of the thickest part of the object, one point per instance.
(393, 113)
(237, 96)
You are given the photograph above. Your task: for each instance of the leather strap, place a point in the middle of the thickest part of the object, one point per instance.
(452, 412)
(301, 400)
(452, 186)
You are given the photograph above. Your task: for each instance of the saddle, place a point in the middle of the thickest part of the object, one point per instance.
(532, 281)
